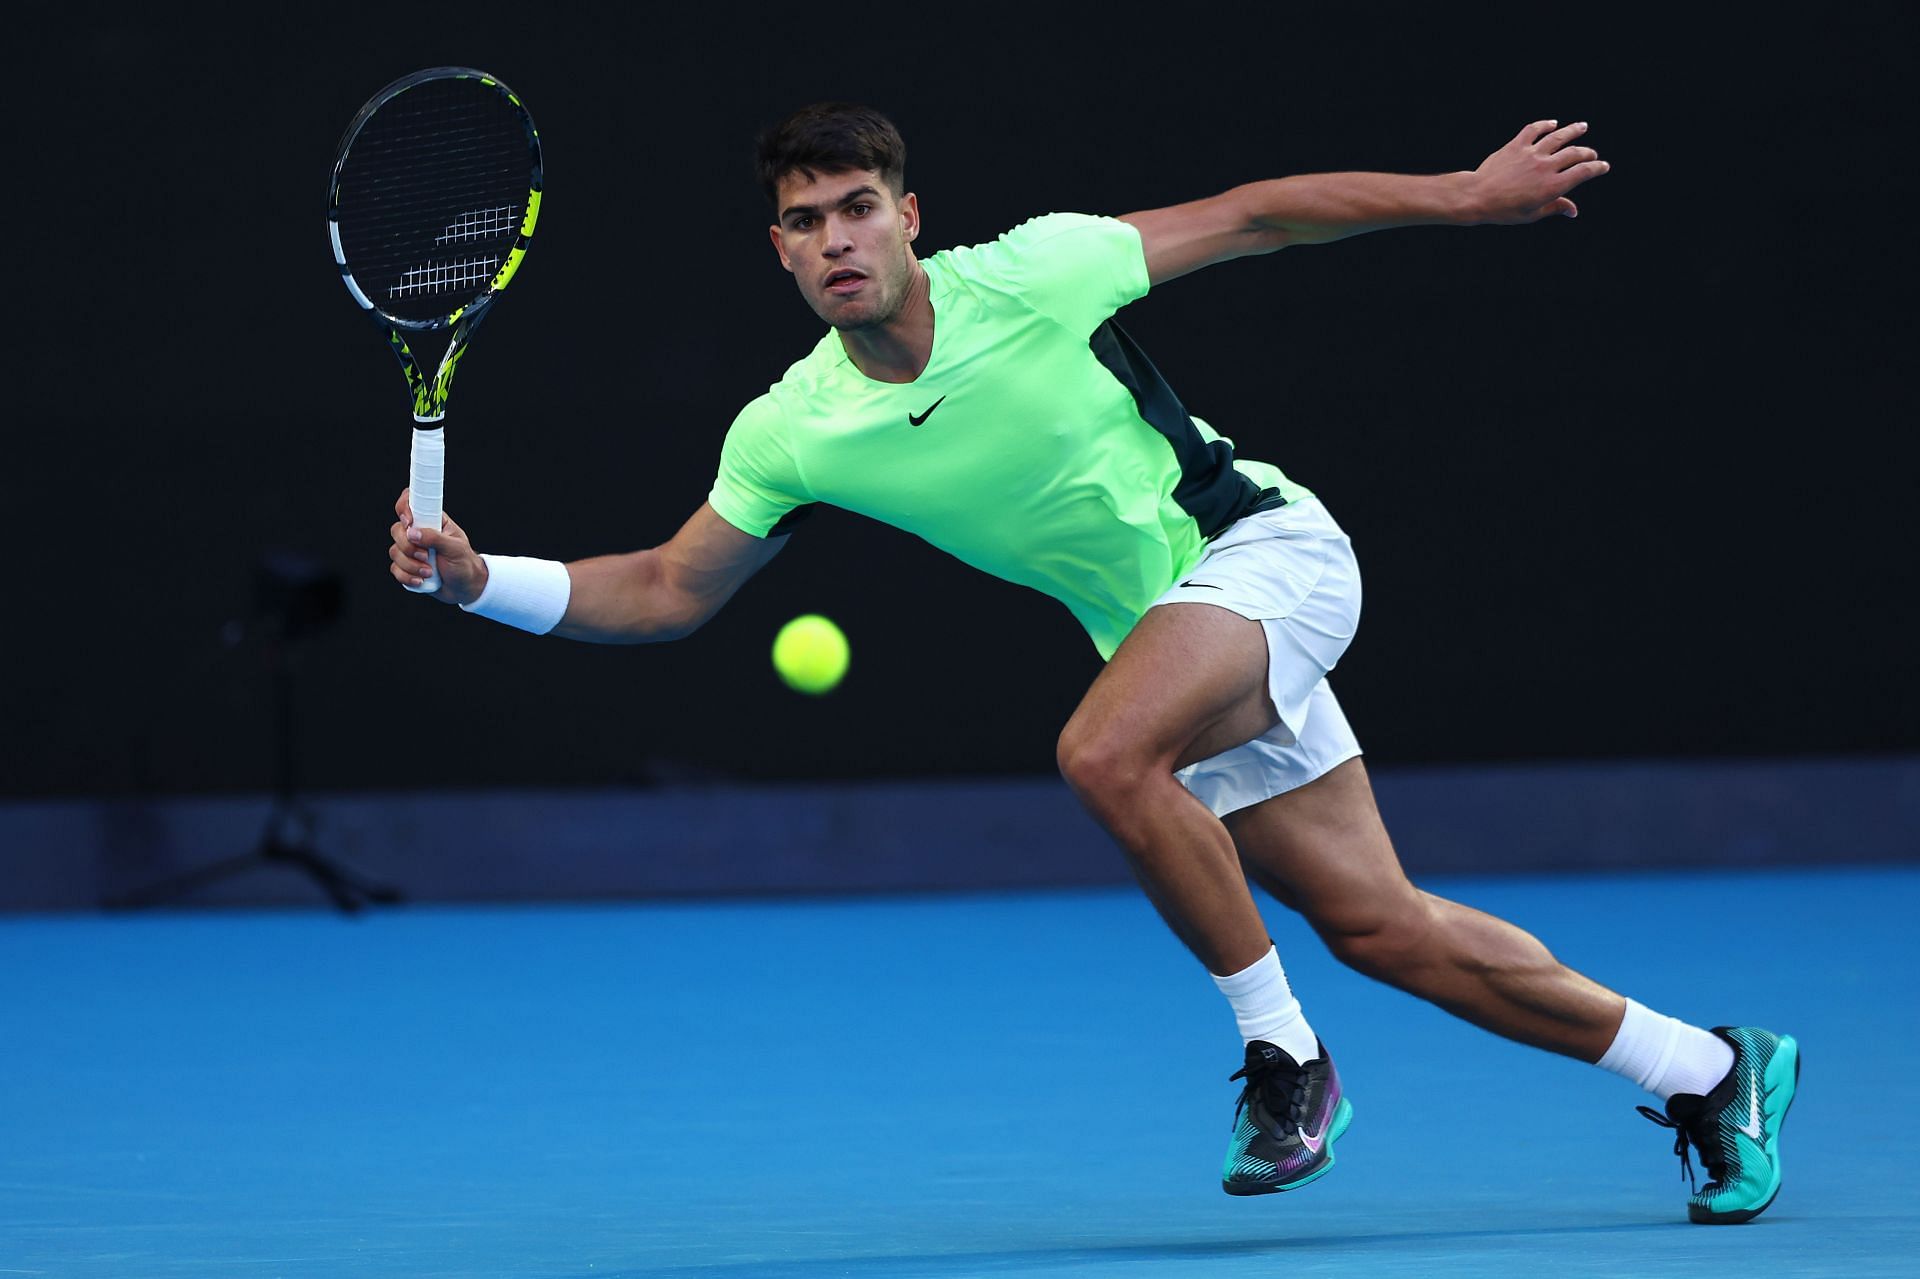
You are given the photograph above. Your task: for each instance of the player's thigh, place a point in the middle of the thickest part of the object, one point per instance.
(1323, 850)
(1190, 681)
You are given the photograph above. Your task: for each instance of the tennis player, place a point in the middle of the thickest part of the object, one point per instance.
(985, 400)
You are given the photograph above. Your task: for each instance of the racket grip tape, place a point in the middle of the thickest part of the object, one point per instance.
(427, 479)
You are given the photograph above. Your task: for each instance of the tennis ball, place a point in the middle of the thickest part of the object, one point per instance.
(811, 654)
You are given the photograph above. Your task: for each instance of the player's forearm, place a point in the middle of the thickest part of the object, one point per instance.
(626, 599)
(1314, 208)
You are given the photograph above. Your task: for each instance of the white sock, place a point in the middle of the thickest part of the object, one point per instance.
(1665, 1055)
(1264, 1006)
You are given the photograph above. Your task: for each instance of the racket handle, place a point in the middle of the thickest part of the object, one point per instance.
(427, 478)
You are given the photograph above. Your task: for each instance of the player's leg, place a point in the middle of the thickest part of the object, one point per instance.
(1323, 850)
(1201, 676)
(1190, 681)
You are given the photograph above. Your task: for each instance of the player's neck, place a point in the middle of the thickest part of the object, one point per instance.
(898, 350)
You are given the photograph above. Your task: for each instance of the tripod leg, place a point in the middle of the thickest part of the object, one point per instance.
(319, 870)
(182, 884)
(349, 891)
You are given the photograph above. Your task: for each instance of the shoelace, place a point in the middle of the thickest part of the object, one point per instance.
(1683, 1133)
(1264, 1079)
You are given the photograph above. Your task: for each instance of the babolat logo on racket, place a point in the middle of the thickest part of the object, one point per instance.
(435, 195)
(459, 274)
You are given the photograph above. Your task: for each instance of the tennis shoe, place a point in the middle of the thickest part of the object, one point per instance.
(1288, 1117)
(1736, 1127)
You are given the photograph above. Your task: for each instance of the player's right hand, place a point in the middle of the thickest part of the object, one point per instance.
(1529, 178)
(463, 574)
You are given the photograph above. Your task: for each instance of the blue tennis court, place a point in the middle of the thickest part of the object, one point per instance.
(1029, 1084)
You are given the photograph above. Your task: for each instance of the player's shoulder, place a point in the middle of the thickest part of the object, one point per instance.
(758, 415)
(1074, 267)
(1049, 226)
(1029, 237)
(807, 381)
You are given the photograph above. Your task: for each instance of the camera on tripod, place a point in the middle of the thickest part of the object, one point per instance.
(294, 598)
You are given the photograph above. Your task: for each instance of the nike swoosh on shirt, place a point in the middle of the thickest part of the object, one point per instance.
(915, 421)
(1208, 585)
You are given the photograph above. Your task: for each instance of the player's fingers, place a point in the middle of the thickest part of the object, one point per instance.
(1585, 172)
(409, 557)
(405, 552)
(1567, 157)
(405, 576)
(1564, 207)
(404, 506)
(451, 529)
(1561, 137)
(436, 540)
(1535, 131)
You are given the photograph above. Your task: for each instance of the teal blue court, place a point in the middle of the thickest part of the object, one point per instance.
(902, 1087)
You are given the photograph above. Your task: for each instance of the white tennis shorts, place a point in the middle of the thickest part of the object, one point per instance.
(1292, 570)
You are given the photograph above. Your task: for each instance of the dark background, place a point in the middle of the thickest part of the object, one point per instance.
(1636, 484)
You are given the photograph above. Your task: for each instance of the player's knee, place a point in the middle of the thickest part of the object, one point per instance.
(1101, 771)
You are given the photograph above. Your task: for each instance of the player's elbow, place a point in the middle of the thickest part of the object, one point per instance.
(1256, 222)
(678, 624)
(671, 614)
(633, 599)
(677, 605)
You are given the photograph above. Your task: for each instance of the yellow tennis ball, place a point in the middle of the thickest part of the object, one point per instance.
(811, 654)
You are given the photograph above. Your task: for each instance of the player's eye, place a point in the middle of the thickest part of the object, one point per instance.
(861, 210)
(802, 223)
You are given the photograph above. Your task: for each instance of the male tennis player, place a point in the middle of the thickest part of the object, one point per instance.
(985, 400)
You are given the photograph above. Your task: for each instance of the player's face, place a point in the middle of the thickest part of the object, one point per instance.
(848, 242)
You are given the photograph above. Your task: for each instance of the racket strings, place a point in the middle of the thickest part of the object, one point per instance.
(445, 277)
(480, 224)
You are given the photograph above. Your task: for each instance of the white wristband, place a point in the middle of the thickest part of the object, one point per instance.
(528, 593)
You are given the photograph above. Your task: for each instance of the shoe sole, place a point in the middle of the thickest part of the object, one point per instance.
(1706, 1216)
(1342, 1116)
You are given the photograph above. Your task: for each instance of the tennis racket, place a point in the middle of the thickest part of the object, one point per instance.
(436, 189)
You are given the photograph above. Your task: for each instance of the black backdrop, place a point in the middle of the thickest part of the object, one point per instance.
(1635, 484)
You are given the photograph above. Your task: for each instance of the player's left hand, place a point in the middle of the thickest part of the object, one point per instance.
(1528, 179)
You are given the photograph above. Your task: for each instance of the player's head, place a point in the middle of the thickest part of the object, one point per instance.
(844, 222)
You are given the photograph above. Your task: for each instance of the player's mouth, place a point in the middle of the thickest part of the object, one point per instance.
(845, 282)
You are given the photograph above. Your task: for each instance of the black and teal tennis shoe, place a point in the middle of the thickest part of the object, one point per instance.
(1736, 1127)
(1286, 1122)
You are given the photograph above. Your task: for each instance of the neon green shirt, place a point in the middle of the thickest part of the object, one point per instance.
(1038, 445)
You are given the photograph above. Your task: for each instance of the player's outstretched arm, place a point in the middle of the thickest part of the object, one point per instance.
(662, 593)
(666, 592)
(1527, 179)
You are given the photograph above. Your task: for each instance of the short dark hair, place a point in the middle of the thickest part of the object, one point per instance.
(832, 137)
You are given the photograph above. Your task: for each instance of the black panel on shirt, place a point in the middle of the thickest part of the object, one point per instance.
(1210, 490)
(786, 522)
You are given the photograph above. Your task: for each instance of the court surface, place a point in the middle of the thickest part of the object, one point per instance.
(980, 1085)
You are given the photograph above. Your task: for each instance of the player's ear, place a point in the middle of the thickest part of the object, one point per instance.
(910, 215)
(773, 233)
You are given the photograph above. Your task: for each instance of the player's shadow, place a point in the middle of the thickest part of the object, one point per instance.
(1096, 1258)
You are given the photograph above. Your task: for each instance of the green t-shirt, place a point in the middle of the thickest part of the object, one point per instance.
(1038, 445)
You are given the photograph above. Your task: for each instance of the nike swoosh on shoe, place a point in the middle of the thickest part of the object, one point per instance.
(1752, 1127)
